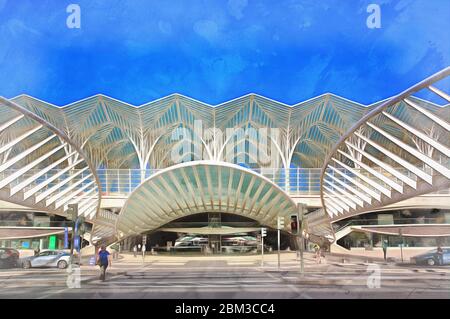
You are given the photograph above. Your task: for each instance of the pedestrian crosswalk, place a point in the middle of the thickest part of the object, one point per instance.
(190, 278)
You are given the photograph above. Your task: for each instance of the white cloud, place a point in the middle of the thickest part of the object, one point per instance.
(235, 7)
(165, 27)
(17, 27)
(207, 29)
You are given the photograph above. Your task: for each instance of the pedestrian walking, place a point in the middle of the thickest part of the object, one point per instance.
(440, 254)
(143, 252)
(318, 254)
(135, 251)
(384, 245)
(103, 260)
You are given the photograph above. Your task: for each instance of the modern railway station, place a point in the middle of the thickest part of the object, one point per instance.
(183, 176)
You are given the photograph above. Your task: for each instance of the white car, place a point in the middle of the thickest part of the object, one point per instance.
(48, 258)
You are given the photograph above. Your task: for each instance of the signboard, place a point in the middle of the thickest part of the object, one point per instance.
(52, 242)
(144, 239)
(66, 238)
(76, 243)
(76, 240)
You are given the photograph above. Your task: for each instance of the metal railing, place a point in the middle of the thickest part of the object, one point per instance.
(295, 181)
(206, 224)
(17, 223)
(304, 181)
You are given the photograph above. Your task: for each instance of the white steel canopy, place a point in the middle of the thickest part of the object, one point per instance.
(41, 168)
(397, 151)
(202, 186)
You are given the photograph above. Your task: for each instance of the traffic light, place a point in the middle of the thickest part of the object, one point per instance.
(295, 224)
(263, 232)
(72, 211)
(280, 222)
(297, 218)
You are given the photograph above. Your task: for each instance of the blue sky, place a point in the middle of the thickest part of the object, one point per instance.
(213, 51)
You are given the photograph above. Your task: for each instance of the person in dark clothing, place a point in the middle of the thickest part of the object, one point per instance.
(103, 260)
(384, 245)
(440, 253)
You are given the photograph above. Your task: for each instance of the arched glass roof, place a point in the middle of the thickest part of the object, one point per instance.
(115, 134)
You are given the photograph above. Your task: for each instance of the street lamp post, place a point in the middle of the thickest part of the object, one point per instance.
(73, 213)
(280, 225)
(278, 249)
(401, 243)
(263, 234)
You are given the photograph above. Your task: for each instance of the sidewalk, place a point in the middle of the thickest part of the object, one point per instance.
(272, 257)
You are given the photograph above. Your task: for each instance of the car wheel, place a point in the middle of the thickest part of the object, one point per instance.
(26, 264)
(431, 262)
(62, 264)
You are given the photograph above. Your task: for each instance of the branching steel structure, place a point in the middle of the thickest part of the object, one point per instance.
(41, 167)
(398, 148)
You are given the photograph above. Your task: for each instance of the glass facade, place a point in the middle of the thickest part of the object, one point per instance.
(395, 217)
(46, 242)
(34, 230)
(369, 240)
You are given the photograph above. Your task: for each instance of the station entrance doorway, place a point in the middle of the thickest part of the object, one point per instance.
(211, 234)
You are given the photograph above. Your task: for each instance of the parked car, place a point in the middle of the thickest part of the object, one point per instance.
(48, 258)
(8, 258)
(431, 258)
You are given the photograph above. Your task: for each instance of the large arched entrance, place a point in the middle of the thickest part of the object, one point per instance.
(199, 187)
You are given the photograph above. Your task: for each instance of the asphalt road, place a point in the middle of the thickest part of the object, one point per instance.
(197, 279)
